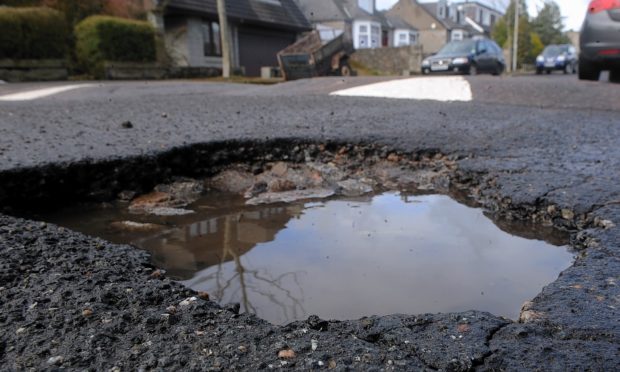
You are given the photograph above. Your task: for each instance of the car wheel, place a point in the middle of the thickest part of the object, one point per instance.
(473, 70)
(345, 69)
(548, 72)
(539, 71)
(499, 69)
(614, 76)
(587, 71)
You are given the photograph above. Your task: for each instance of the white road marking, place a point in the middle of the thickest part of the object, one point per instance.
(40, 93)
(439, 88)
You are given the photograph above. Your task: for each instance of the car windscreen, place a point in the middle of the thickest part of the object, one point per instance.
(552, 51)
(458, 47)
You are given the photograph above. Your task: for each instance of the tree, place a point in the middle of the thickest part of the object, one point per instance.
(548, 24)
(19, 3)
(536, 46)
(500, 32)
(75, 11)
(503, 32)
(133, 9)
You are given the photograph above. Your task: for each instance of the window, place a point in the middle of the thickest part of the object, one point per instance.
(486, 18)
(375, 36)
(441, 12)
(457, 35)
(402, 39)
(367, 35)
(211, 39)
(483, 46)
(363, 36)
(413, 39)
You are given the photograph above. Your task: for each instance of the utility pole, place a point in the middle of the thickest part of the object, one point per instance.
(515, 38)
(225, 39)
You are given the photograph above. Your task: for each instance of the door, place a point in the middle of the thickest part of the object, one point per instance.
(484, 56)
(259, 48)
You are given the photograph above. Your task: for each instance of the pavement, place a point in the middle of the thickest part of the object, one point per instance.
(534, 147)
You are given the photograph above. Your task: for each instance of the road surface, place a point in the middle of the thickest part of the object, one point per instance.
(533, 145)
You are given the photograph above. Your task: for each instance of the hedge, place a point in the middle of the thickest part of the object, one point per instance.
(104, 38)
(32, 33)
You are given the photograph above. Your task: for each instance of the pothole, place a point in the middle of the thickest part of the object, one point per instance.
(341, 239)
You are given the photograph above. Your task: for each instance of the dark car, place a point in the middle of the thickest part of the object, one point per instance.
(470, 56)
(557, 57)
(600, 40)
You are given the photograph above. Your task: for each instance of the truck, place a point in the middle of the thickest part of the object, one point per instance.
(310, 57)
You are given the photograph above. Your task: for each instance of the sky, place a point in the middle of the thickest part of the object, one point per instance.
(573, 10)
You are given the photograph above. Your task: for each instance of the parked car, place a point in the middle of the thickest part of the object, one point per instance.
(600, 40)
(557, 57)
(470, 56)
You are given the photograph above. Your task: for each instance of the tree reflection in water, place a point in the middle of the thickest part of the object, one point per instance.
(209, 254)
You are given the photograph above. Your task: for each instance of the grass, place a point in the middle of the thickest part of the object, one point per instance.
(362, 70)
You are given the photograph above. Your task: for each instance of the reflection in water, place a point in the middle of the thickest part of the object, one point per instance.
(344, 259)
(219, 244)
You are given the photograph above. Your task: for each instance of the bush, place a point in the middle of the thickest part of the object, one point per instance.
(103, 38)
(32, 33)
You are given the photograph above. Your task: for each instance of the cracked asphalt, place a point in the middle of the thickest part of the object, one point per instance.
(543, 148)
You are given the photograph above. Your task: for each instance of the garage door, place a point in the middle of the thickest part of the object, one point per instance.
(258, 48)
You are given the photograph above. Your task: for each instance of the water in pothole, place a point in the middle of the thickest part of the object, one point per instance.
(341, 258)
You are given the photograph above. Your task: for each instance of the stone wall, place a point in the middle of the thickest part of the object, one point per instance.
(391, 61)
(154, 71)
(32, 70)
(134, 71)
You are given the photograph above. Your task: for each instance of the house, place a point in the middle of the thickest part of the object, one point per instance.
(440, 22)
(259, 29)
(400, 33)
(359, 21)
(477, 14)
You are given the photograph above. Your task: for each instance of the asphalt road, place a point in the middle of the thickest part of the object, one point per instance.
(533, 145)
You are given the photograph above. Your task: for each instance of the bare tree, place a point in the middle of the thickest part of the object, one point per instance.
(225, 38)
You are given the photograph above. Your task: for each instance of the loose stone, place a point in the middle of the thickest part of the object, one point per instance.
(57, 360)
(286, 354)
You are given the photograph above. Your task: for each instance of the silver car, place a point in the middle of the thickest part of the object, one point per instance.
(600, 40)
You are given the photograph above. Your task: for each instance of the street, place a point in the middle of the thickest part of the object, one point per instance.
(533, 146)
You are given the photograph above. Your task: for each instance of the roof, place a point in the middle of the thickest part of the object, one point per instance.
(335, 10)
(478, 3)
(263, 12)
(431, 8)
(394, 22)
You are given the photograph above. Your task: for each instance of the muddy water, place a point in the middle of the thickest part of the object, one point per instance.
(341, 259)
